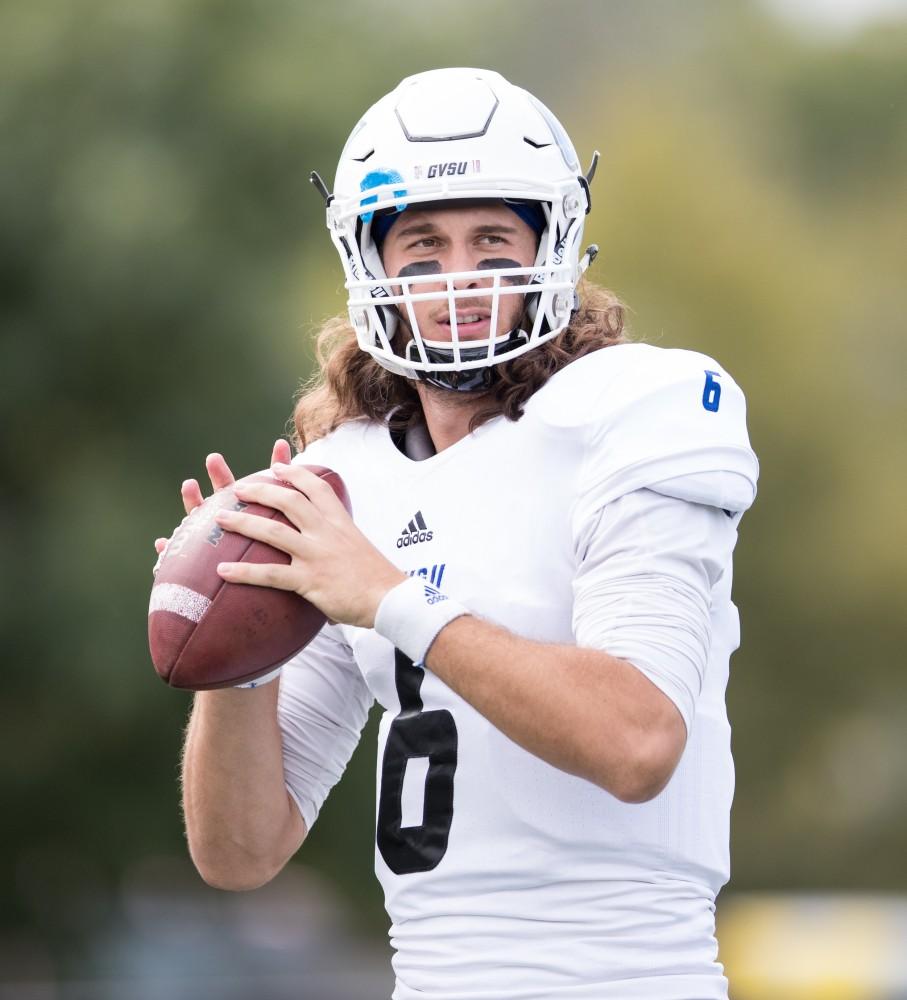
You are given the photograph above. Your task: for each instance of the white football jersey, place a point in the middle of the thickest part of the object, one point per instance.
(606, 516)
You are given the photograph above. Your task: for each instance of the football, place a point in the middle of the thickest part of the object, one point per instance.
(206, 633)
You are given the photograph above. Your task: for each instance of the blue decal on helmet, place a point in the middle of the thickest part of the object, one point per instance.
(378, 178)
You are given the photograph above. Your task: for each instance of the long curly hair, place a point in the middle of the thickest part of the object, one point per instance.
(349, 383)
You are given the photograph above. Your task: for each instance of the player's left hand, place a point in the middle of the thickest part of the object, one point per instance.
(333, 564)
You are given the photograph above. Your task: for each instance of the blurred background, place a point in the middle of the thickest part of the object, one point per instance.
(163, 263)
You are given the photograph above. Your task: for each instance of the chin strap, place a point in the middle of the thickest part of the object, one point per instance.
(472, 379)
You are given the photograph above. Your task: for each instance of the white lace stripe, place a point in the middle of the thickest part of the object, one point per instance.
(180, 600)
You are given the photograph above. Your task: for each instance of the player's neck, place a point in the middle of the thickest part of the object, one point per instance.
(447, 414)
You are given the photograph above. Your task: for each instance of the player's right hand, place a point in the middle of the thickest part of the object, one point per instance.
(220, 475)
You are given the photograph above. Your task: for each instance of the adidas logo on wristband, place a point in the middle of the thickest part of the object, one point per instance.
(433, 595)
(416, 531)
(411, 615)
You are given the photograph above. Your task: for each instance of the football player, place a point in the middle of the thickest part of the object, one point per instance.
(536, 587)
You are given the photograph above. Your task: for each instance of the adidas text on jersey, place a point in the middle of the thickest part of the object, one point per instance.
(416, 531)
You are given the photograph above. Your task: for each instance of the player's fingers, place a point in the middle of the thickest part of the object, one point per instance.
(261, 575)
(218, 471)
(262, 529)
(191, 493)
(160, 545)
(281, 452)
(323, 498)
(295, 505)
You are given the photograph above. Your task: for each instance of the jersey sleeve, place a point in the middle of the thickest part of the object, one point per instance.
(674, 422)
(643, 588)
(323, 705)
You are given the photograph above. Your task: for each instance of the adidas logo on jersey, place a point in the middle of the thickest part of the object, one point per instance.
(416, 531)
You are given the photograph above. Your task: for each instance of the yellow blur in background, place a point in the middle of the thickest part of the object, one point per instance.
(824, 946)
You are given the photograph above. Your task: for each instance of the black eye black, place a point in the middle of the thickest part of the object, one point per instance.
(419, 267)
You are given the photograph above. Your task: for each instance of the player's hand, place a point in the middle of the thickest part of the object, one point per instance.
(220, 475)
(332, 564)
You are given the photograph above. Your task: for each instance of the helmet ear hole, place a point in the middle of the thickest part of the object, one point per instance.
(532, 307)
(541, 259)
(389, 318)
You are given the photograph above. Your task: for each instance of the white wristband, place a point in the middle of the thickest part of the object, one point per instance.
(412, 614)
(264, 679)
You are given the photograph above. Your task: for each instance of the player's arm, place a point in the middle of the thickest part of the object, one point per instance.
(583, 710)
(260, 762)
(616, 707)
(242, 826)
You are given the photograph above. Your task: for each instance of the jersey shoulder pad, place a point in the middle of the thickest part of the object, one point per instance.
(652, 416)
(575, 394)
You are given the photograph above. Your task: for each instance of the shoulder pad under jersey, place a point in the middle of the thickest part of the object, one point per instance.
(671, 420)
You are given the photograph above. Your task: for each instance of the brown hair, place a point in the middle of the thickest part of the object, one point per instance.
(350, 383)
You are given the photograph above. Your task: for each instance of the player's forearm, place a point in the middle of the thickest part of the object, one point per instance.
(581, 710)
(240, 823)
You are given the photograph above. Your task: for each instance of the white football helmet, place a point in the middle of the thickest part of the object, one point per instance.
(449, 135)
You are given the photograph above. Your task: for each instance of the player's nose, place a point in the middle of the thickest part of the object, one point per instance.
(465, 260)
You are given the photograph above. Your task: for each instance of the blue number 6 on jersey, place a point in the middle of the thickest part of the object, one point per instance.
(711, 394)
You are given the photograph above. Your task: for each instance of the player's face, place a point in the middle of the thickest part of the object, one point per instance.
(449, 239)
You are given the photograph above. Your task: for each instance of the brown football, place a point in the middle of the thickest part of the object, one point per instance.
(207, 633)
